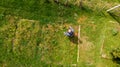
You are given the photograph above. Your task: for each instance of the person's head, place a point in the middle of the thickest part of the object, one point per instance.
(69, 30)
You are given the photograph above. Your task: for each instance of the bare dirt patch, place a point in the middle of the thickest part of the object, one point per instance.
(85, 49)
(82, 19)
(86, 45)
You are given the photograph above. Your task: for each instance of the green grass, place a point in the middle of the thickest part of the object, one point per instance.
(33, 36)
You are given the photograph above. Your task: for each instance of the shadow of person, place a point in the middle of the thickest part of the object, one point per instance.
(74, 40)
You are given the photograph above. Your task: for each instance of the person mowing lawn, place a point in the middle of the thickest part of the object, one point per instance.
(70, 32)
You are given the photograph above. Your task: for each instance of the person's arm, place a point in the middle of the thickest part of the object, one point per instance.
(66, 33)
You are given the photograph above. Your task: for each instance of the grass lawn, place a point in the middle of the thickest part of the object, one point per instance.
(36, 39)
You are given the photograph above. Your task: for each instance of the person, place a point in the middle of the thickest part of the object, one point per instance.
(70, 32)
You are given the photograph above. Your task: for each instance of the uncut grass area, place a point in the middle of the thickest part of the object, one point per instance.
(27, 43)
(34, 37)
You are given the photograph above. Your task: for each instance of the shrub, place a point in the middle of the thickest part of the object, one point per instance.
(114, 32)
(116, 55)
